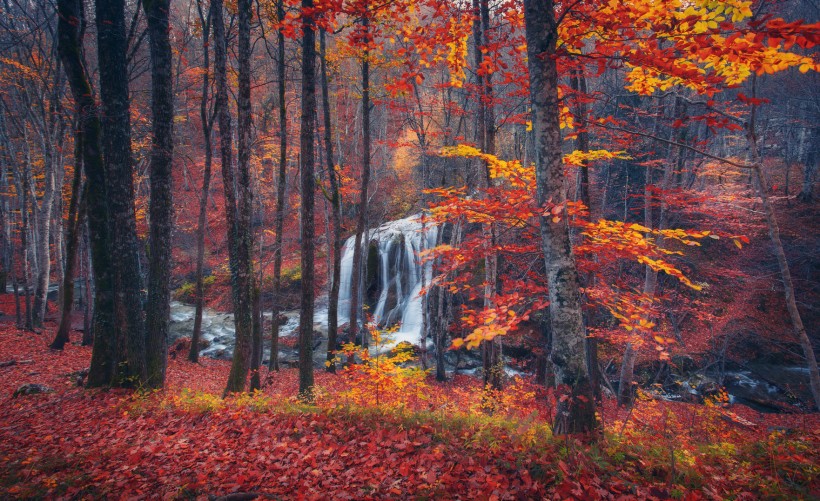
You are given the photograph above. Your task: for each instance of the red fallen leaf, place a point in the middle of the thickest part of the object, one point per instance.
(563, 467)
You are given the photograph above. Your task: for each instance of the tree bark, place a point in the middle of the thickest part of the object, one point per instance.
(361, 216)
(75, 215)
(307, 181)
(202, 222)
(336, 203)
(238, 196)
(104, 355)
(116, 141)
(281, 188)
(576, 413)
(43, 240)
(161, 208)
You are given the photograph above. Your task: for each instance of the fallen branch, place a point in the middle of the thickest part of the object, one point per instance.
(9, 363)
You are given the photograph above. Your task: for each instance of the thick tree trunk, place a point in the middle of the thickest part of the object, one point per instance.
(307, 182)
(238, 196)
(116, 140)
(202, 222)
(577, 412)
(336, 211)
(358, 251)
(281, 188)
(104, 354)
(161, 207)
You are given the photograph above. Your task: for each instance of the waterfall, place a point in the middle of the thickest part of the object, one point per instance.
(392, 278)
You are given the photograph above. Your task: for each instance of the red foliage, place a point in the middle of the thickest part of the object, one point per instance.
(91, 443)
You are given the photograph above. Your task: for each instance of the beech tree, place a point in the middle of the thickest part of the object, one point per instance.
(119, 356)
(364, 38)
(236, 183)
(281, 187)
(577, 412)
(161, 209)
(206, 117)
(307, 184)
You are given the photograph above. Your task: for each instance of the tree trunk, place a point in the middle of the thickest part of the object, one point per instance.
(161, 207)
(361, 215)
(116, 140)
(577, 412)
(493, 366)
(44, 235)
(75, 216)
(809, 173)
(25, 243)
(336, 203)
(104, 355)
(780, 254)
(281, 188)
(308, 113)
(238, 195)
(202, 222)
(627, 372)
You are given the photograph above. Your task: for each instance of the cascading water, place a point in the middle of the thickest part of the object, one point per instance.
(394, 286)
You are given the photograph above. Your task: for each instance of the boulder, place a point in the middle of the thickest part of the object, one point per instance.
(31, 389)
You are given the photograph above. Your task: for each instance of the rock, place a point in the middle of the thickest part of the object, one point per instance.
(708, 389)
(404, 347)
(683, 364)
(31, 389)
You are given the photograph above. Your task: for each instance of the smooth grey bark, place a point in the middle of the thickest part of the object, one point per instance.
(75, 215)
(576, 413)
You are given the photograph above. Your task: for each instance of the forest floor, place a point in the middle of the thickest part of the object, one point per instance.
(371, 437)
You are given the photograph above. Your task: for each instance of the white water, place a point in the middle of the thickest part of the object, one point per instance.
(401, 240)
(398, 241)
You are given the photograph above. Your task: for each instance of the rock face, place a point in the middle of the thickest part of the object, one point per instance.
(31, 389)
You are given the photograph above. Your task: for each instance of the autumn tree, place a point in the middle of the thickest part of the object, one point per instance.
(281, 187)
(161, 208)
(364, 39)
(336, 211)
(577, 412)
(119, 356)
(307, 184)
(206, 117)
(236, 182)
